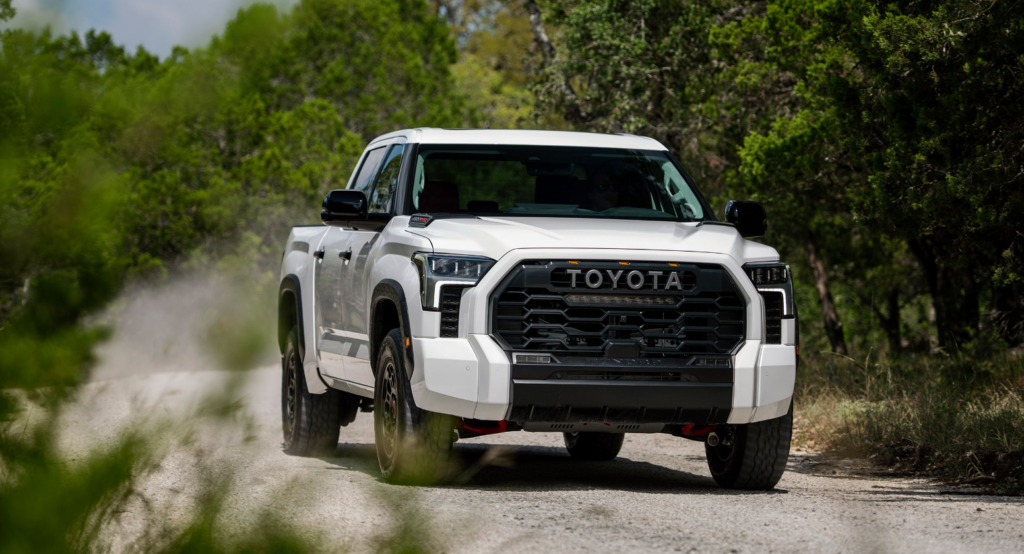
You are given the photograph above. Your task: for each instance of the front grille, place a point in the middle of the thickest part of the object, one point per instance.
(619, 315)
(773, 311)
(451, 300)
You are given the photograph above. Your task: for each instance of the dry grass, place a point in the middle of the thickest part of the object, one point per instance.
(957, 419)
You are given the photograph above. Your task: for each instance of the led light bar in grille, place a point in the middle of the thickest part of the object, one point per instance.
(623, 300)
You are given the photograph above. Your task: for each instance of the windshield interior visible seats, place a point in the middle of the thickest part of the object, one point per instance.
(552, 182)
(439, 196)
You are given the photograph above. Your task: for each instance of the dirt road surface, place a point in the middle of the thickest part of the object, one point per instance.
(521, 492)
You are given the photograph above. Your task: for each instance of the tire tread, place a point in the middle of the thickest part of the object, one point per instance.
(762, 449)
(318, 425)
(594, 446)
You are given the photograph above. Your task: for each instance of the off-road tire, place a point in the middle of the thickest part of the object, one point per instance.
(310, 422)
(757, 457)
(413, 445)
(594, 446)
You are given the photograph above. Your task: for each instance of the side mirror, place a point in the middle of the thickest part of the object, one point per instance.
(748, 217)
(342, 206)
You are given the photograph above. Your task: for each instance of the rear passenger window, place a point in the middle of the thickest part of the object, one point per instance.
(368, 169)
(387, 182)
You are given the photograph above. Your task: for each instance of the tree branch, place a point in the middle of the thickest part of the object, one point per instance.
(540, 36)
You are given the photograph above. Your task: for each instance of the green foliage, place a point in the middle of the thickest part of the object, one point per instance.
(499, 64)
(636, 67)
(53, 507)
(117, 166)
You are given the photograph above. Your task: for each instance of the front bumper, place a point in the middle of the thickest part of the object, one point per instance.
(473, 377)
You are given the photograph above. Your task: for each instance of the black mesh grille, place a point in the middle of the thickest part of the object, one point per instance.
(536, 308)
(773, 317)
(451, 299)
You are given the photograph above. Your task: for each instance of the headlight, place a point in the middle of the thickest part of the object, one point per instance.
(441, 269)
(773, 277)
(768, 274)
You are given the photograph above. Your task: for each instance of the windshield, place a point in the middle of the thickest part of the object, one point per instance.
(553, 182)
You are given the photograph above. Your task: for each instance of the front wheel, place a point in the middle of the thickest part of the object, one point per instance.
(413, 445)
(594, 446)
(755, 455)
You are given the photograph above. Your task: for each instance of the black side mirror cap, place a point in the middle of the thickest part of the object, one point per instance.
(348, 209)
(749, 218)
(342, 206)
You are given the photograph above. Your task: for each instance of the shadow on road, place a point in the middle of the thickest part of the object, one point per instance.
(482, 466)
(543, 468)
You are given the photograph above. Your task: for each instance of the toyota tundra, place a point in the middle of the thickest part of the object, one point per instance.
(471, 282)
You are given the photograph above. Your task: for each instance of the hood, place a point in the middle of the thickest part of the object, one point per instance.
(493, 237)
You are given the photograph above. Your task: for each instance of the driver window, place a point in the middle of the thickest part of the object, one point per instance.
(369, 167)
(387, 182)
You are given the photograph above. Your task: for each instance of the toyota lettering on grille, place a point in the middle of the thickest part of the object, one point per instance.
(595, 279)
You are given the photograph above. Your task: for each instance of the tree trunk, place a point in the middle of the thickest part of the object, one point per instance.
(573, 111)
(833, 326)
(954, 294)
(892, 323)
(890, 319)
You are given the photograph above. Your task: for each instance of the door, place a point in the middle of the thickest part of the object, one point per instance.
(332, 257)
(329, 302)
(357, 272)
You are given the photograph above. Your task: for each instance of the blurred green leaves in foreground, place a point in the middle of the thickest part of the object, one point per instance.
(120, 168)
(117, 166)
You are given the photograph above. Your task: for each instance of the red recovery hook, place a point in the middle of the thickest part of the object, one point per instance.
(692, 430)
(472, 430)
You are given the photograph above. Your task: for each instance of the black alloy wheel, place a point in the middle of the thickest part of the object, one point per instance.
(413, 445)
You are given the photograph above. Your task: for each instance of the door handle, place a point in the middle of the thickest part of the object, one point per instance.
(319, 254)
(346, 255)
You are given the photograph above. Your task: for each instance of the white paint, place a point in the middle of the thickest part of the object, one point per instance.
(789, 331)
(775, 381)
(494, 381)
(483, 137)
(446, 374)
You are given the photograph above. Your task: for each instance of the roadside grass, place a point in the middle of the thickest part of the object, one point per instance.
(957, 419)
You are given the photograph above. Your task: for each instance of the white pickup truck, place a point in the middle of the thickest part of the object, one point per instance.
(469, 282)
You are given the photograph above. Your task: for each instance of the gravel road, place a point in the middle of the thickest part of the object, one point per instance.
(521, 491)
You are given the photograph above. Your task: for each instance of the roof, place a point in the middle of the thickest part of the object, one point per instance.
(432, 135)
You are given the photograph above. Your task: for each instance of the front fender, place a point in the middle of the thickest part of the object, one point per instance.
(388, 294)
